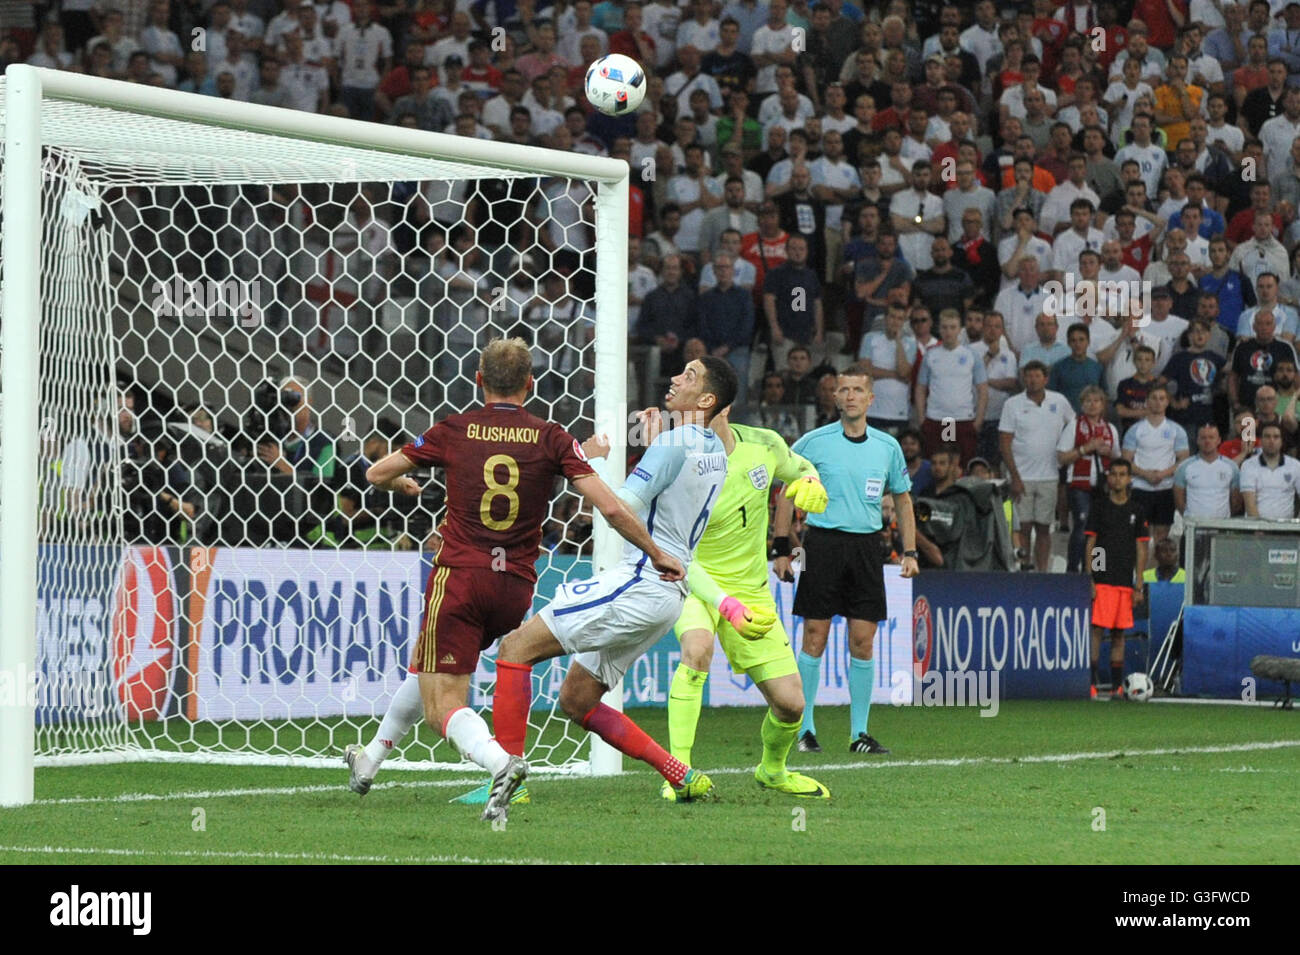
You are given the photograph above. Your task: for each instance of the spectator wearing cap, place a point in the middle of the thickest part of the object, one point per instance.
(952, 390)
(1030, 433)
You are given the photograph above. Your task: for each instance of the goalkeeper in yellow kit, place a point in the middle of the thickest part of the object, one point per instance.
(730, 596)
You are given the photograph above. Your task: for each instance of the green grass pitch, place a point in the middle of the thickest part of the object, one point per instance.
(1190, 784)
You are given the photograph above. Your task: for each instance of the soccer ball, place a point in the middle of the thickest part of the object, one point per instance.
(615, 84)
(1138, 687)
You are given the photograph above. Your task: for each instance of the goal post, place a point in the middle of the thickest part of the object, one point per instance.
(110, 191)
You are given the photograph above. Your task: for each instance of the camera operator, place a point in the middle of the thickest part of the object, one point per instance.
(365, 516)
(291, 444)
(161, 496)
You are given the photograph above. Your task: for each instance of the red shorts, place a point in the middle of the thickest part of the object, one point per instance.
(1112, 608)
(465, 610)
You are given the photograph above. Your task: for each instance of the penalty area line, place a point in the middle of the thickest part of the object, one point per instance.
(242, 855)
(471, 781)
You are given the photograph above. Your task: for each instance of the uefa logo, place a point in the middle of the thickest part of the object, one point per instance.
(145, 614)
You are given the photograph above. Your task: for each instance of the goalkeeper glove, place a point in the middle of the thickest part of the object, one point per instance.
(750, 624)
(808, 495)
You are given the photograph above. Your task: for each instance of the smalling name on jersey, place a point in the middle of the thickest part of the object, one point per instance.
(483, 432)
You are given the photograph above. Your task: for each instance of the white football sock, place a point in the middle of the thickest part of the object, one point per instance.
(470, 735)
(406, 710)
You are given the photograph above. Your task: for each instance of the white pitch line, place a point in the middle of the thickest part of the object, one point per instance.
(272, 856)
(730, 771)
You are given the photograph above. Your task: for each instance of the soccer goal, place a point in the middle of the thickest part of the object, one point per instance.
(213, 314)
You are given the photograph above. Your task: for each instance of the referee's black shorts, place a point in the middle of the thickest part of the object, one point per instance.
(843, 576)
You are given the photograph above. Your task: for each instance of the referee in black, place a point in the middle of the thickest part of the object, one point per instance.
(843, 572)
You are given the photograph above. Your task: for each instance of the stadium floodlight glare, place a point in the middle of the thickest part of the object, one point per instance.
(118, 199)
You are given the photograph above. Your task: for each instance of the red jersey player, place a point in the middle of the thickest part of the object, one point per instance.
(500, 464)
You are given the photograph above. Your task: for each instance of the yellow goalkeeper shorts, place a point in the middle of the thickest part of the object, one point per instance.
(761, 660)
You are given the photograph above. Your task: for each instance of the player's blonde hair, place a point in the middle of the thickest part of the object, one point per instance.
(505, 365)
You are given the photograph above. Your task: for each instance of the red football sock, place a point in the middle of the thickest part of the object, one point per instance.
(624, 735)
(510, 703)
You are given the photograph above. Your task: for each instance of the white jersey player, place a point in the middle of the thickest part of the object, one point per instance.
(607, 622)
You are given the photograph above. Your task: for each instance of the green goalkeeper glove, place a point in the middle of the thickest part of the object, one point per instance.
(808, 495)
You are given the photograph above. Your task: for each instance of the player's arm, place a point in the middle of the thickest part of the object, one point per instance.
(390, 474)
(750, 623)
(802, 484)
(783, 539)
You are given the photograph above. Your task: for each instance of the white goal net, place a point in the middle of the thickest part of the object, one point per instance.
(232, 324)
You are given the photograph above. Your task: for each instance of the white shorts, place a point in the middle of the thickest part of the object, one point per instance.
(608, 621)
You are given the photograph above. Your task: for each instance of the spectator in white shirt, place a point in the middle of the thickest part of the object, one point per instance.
(695, 194)
(1021, 243)
(1030, 430)
(1285, 319)
(1262, 253)
(772, 45)
(1056, 214)
(1022, 303)
(1208, 485)
(1155, 446)
(917, 216)
(952, 391)
(1270, 479)
(365, 50)
(891, 353)
(1079, 237)
(1003, 377)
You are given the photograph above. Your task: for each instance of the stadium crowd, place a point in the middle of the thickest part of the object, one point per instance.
(1058, 234)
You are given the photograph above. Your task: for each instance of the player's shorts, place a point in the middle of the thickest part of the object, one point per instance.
(1038, 504)
(1158, 505)
(843, 576)
(1112, 608)
(763, 659)
(466, 609)
(610, 620)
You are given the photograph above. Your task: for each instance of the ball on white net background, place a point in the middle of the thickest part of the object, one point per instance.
(615, 84)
